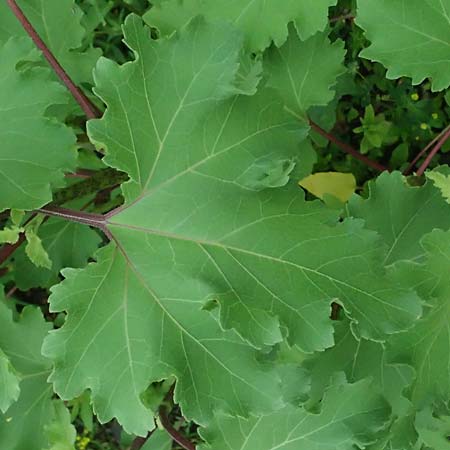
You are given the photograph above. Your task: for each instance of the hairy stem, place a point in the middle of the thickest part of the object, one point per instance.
(347, 148)
(86, 105)
(91, 219)
(99, 181)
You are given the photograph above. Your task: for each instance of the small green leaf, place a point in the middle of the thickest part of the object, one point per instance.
(35, 251)
(10, 235)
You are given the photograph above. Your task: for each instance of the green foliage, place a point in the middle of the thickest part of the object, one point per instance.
(34, 162)
(58, 24)
(216, 293)
(260, 21)
(35, 420)
(412, 41)
(349, 415)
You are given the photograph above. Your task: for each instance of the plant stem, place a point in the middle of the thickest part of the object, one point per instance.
(101, 180)
(86, 105)
(347, 148)
(139, 442)
(91, 219)
(443, 139)
(8, 249)
(410, 168)
(175, 434)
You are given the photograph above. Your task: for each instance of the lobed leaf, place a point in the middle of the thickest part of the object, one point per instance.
(36, 150)
(201, 227)
(261, 22)
(401, 214)
(350, 416)
(58, 23)
(410, 38)
(31, 421)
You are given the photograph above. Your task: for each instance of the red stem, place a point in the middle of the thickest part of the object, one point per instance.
(347, 148)
(91, 219)
(433, 152)
(176, 435)
(86, 105)
(8, 249)
(410, 168)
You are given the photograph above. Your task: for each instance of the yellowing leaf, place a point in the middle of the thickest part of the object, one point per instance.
(339, 185)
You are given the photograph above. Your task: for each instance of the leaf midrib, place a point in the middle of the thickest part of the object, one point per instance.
(228, 248)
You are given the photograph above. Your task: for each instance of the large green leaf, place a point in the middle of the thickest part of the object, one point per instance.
(261, 21)
(35, 421)
(35, 150)
(58, 22)
(401, 214)
(112, 305)
(350, 417)
(411, 38)
(202, 227)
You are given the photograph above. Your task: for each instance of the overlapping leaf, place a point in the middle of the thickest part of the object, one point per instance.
(68, 245)
(35, 420)
(401, 214)
(350, 417)
(58, 23)
(426, 345)
(201, 227)
(303, 73)
(35, 150)
(411, 38)
(261, 21)
(9, 389)
(361, 359)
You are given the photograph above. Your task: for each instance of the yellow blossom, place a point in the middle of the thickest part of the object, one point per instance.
(415, 97)
(424, 126)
